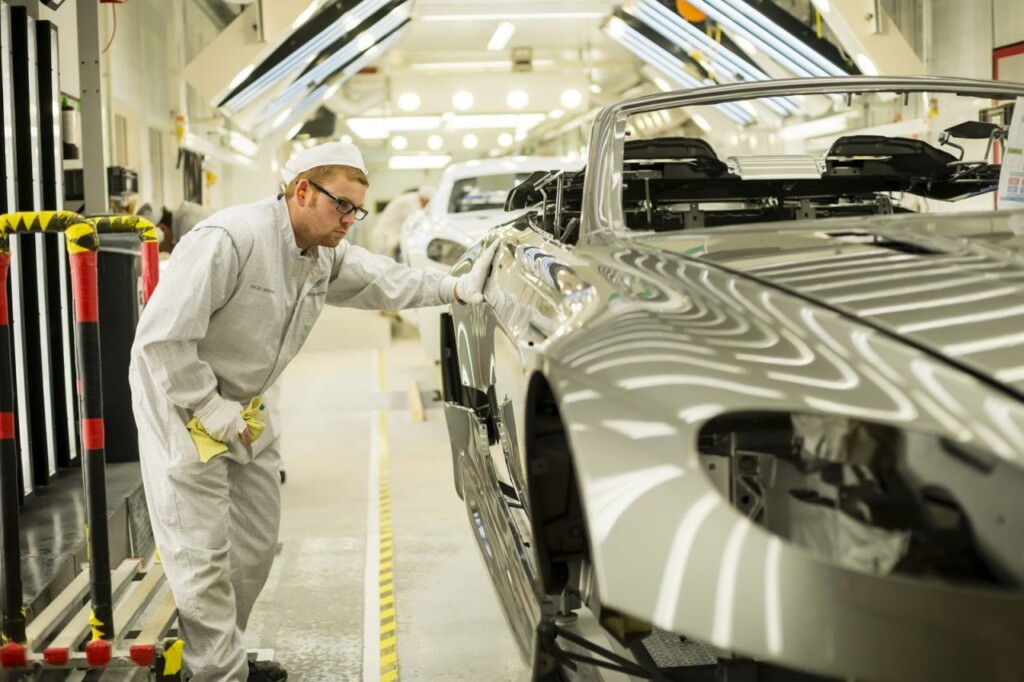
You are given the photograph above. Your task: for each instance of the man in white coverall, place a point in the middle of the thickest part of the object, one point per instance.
(388, 227)
(238, 298)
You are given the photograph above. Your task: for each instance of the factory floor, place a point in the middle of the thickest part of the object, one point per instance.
(345, 412)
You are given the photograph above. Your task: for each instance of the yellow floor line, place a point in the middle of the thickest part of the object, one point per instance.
(388, 620)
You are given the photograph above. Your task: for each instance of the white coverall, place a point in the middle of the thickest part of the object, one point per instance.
(234, 306)
(388, 226)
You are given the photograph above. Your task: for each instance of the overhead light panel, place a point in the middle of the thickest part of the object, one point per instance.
(409, 101)
(787, 49)
(463, 100)
(727, 66)
(516, 16)
(301, 47)
(667, 65)
(324, 91)
(501, 36)
(338, 60)
(418, 161)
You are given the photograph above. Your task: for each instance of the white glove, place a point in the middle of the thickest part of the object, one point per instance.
(222, 419)
(470, 287)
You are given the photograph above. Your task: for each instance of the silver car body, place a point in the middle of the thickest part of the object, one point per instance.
(653, 345)
(443, 223)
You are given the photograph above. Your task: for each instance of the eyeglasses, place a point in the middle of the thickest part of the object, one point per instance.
(344, 206)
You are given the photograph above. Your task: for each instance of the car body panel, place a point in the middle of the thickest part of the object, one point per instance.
(905, 322)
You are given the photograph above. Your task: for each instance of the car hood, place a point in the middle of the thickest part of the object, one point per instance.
(952, 284)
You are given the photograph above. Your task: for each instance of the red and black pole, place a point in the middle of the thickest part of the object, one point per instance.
(12, 628)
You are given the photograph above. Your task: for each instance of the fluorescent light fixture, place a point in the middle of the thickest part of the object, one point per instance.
(280, 118)
(822, 6)
(666, 64)
(556, 114)
(815, 128)
(501, 36)
(516, 16)
(348, 54)
(727, 66)
(331, 91)
(505, 140)
(305, 52)
(418, 161)
(493, 121)
(463, 100)
(379, 127)
(571, 98)
(242, 75)
(492, 65)
(701, 122)
(595, 88)
(399, 143)
(409, 101)
(435, 142)
(741, 18)
(517, 99)
(321, 93)
(470, 141)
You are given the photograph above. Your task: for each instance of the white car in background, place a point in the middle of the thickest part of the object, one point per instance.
(470, 200)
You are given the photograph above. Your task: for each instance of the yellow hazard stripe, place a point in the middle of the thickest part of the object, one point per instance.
(386, 594)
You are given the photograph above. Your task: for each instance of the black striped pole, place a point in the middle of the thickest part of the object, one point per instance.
(83, 244)
(13, 624)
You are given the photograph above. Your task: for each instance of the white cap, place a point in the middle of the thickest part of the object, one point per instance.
(329, 154)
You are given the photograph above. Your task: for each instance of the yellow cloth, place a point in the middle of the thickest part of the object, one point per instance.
(210, 448)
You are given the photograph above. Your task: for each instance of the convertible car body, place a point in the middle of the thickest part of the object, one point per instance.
(470, 200)
(755, 402)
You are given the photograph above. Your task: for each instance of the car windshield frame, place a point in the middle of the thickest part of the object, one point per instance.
(602, 213)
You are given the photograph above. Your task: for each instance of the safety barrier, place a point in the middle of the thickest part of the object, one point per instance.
(82, 238)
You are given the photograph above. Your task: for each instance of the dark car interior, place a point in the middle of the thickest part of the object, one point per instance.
(681, 183)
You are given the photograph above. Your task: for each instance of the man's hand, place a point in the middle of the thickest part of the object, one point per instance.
(222, 419)
(470, 287)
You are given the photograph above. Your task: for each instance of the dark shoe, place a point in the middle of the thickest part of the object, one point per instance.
(267, 671)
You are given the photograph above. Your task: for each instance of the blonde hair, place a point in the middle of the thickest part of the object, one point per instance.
(322, 174)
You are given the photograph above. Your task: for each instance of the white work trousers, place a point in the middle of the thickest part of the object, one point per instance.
(216, 527)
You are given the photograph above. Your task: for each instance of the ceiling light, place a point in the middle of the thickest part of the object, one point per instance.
(505, 140)
(365, 41)
(347, 139)
(491, 65)
(242, 75)
(501, 36)
(281, 118)
(662, 84)
(463, 100)
(409, 101)
(666, 64)
(595, 88)
(517, 99)
(506, 15)
(434, 142)
(571, 98)
(470, 141)
(296, 58)
(701, 122)
(740, 18)
(378, 127)
(469, 122)
(418, 161)
(822, 6)
(725, 64)
(556, 114)
(399, 143)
